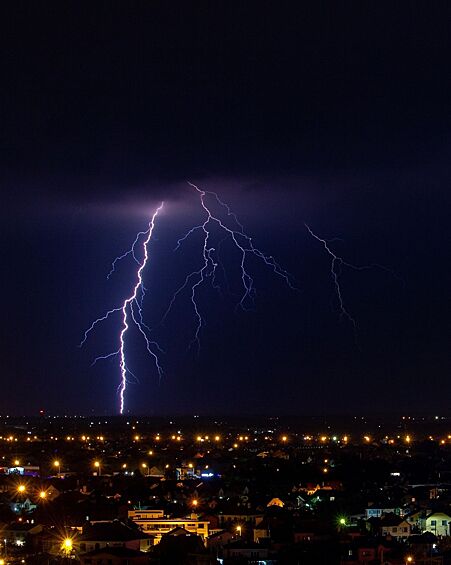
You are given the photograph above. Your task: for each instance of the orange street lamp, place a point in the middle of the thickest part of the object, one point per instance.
(67, 546)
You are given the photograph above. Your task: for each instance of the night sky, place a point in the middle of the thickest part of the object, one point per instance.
(334, 114)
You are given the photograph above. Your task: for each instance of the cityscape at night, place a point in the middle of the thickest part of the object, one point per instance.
(225, 277)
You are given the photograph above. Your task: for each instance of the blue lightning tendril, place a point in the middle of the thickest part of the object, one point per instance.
(336, 265)
(242, 242)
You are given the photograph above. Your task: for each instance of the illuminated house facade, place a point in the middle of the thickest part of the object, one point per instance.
(154, 523)
(438, 523)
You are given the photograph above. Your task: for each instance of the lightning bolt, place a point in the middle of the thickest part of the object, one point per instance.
(243, 243)
(336, 265)
(131, 252)
(131, 310)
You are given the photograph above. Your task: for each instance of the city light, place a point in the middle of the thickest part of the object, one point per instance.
(341, 521)
(67, 545)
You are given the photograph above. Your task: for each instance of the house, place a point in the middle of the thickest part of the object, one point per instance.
(369, 551)
(113, 534)
(377, 511)
(423, 544)
(241, 549)
(438, 523)
(20, 505)
(359, 553)
(262, 530)
(154, 523)
(394, 526)
(156, 472)
(18, 533)
(275, 502)
(180, 546)
(238, 516)
(114, 556)
(414, 518)
(219, 539)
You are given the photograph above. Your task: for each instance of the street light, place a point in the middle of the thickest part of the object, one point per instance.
(97, 466)
(58, 465)
(145, 466)
(21, 489)
(67, 546)
(238, 529)
(42, 494)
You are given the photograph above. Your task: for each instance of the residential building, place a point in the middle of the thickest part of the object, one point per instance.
(438, 523)
(154, 523)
